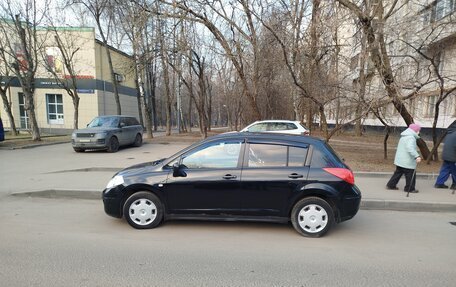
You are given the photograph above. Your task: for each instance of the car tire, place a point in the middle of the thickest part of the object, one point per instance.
(113, 144)
(76, 149)
(138, 140)
(143, 210)
(312, 217)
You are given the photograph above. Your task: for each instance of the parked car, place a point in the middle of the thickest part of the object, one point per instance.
(277, 126)
(108, 133)
(239, 176)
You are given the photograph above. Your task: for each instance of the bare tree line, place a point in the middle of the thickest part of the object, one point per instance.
(203, 63)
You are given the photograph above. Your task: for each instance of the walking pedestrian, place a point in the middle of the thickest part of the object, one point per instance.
(449, 159)
(406, 159)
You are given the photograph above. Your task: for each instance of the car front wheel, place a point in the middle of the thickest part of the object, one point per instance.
(312, 217)
(113, 144)
(143, 210)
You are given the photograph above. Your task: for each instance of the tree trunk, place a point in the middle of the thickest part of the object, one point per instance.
(8, 110)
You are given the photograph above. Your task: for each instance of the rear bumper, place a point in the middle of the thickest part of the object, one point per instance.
(350, 205)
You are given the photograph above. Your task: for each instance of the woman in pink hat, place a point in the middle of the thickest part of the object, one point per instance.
(406, 159)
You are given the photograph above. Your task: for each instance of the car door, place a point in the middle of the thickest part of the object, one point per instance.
(272, 174)
(211, 181)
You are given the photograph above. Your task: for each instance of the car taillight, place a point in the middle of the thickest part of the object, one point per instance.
(306, 133)
(342, 173)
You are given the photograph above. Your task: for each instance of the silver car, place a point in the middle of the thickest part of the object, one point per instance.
(108, 133)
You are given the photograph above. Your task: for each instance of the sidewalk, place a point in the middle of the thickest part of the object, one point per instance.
(376, 196)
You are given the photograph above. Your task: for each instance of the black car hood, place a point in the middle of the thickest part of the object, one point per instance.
(137, 168)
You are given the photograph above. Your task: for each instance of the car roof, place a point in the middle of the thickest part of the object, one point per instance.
(269, 136)
(276, 121)
(115, 116)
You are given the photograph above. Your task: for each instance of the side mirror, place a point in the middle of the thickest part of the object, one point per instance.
(178, 170)
(122, 125)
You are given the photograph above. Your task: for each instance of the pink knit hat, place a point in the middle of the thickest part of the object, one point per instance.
(415, 127)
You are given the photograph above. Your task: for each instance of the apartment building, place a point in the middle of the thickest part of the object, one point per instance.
(420, 39)
(53, 106)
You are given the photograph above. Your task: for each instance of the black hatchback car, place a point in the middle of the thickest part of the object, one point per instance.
(239, 176)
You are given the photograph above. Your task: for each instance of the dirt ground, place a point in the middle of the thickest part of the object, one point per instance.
(365, 153)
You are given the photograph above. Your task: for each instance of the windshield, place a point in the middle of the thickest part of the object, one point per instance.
(109, 122)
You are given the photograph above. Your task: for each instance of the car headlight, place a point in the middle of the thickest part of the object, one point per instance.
(101, 135)
(115, 181)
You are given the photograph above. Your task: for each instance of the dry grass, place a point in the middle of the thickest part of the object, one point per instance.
(363, 153)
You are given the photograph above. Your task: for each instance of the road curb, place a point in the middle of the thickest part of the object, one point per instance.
(399, 205)
(61, 193)
(366, 204)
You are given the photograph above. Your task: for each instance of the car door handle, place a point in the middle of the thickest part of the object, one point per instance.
(229, 176)
(295, 175)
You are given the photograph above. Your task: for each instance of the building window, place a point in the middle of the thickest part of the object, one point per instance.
(22, 112)
(443, 8)
(437, 11)
(430, 106)
(54, 109)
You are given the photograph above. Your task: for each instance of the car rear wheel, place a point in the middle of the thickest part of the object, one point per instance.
(143, 210)
(312, 217)
(113, 144)
(138, 140)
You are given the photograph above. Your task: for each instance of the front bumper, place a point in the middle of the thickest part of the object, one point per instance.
(112, 201)
(89, 143)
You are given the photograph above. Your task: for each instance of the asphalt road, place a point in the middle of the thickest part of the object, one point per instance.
(68, 242)
(72, 242)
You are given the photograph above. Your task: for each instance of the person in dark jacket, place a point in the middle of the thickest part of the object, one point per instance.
(2, 131)
(449, 159)
(406, 159)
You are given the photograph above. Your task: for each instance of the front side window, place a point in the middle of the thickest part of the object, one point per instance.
(258, 128)
(55, 108)
(218, 155)
(268, 155)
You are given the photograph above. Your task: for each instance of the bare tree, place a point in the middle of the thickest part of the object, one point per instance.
(5, 84)
(67, 46)
(372, 21)
(22, 48)
(99, 10)
(232, 41)
(133, 22)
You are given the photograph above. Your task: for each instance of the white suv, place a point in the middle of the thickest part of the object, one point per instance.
(277, 126)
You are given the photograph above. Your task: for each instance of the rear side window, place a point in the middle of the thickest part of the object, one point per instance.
(277, 127)
(291, 127)
(269, 155)
(132, 121)
(325, 157)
